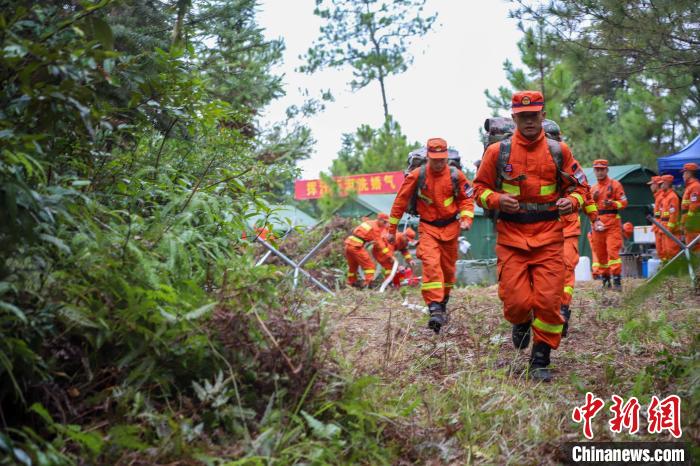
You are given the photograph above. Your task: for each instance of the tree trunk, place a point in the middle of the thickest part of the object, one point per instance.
(386, 106)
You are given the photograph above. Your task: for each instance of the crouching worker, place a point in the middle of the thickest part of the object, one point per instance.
(442, 197)
(370, 231)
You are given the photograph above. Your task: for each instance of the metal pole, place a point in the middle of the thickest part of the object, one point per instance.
(263, 258)
(291, 263)
(666, 231)
(685, 249)
(308, 256)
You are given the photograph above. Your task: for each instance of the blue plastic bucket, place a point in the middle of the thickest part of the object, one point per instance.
(645, 269)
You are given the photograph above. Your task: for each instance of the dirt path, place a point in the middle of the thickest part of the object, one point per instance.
(474, 405)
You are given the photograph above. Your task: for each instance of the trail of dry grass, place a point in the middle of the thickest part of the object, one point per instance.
(473, 405)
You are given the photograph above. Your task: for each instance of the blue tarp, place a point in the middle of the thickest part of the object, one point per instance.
(673, 163)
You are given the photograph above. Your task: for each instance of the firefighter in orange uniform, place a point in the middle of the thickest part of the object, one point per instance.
(655, 187)
(607, 231)
(526, 178)
(690, 206)
(670, 217)
(572, 231)
(444, 204)
(357, 256)
(385, 254)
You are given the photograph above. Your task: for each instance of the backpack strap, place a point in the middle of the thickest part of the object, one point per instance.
(454, 176)
(503, 156)
(414, 197)
(556, 153)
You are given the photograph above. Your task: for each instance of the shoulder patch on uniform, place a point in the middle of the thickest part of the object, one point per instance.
(672, 209)
(580, 175)
(508, 168)
(468, 190)
(694, 197)
(623, 198)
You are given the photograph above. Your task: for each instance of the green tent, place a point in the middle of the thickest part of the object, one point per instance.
(282, 218)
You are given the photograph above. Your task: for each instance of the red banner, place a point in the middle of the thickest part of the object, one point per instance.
(373, 183)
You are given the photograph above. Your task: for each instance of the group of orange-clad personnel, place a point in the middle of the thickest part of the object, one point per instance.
(536, 187)
(375, 232)
(679, 216)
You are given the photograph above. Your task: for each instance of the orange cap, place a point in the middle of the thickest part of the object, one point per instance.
(667, 178)
(410, 234)
(600, 163)
(655, 180)
(690, 166)
(527, 101)
(437, 148)
(382, 216)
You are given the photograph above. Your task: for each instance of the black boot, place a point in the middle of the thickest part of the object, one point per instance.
(606, 282)
(539, 363)
(521, 335)
(437, 316)
(566, 314)
(617, 283)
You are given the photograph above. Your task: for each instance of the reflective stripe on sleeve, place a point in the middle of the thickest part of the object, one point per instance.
(591, 208)
(447, 202)
(578, 197)
(357, 240)
(618, 204)
(545, 327)
(369, 271)
(366, 226)
(484, 196)
(466, 213)
(569, 290)
(385, 250)
(393, 220)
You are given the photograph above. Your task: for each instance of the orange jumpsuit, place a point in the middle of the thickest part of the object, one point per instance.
(384, 254)
(670, 218)
(438, 229)
(690, 221)
(530, 263)
(357, 255)
(572, 230)
(658, 198)
(595, 265)
(610, 199)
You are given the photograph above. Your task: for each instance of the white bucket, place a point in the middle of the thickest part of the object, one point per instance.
(653, 266)
(583, 270)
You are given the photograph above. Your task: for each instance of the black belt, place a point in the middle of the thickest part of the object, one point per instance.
(441, 222)
(529, 217)
(607, 211)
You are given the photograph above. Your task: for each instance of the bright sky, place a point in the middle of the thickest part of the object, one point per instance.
(441, 94)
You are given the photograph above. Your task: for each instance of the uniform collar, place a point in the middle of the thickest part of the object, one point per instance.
(523, 141)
